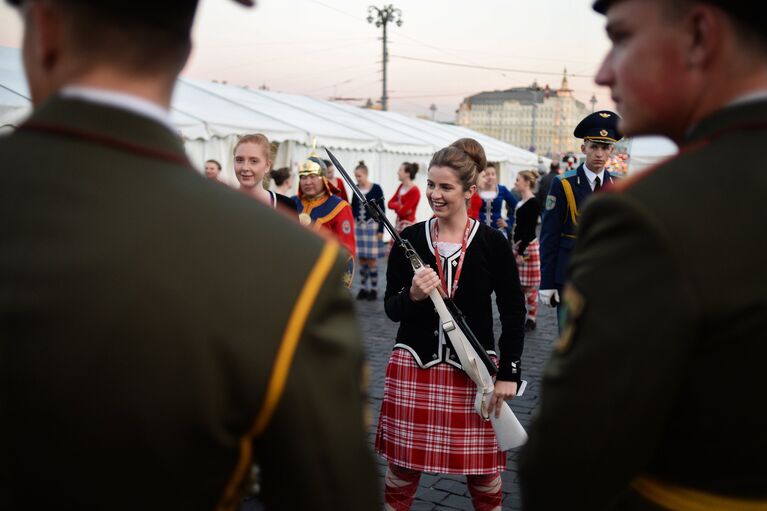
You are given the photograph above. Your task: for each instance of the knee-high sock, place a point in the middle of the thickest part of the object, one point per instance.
(531, 298)
(400, 487)
(364, 275)
(373, 272)
(485, 491)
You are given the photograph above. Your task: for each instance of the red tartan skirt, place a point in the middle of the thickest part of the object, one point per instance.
(428, 422)
(530, 270)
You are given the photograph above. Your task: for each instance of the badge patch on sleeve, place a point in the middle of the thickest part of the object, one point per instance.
(573, 304)
(346, 227)
(551, 202)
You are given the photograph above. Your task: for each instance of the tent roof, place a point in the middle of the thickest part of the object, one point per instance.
(203, 110)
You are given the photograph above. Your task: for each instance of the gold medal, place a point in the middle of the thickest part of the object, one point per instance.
(304, 219)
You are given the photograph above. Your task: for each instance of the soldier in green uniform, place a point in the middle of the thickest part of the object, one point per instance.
(654, 395)
(150, 350)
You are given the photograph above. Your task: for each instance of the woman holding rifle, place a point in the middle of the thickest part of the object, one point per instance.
(428, 421)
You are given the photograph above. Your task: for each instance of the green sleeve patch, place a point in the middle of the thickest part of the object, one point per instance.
(551, 202)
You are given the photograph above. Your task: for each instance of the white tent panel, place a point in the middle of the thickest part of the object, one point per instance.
(211, 116)
(646, 151)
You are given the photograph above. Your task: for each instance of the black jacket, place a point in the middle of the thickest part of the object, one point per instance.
(488, 267)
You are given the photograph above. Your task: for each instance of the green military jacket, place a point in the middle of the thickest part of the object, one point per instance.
(159, 332)
(657, 383)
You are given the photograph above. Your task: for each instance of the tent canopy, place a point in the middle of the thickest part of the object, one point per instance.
(211, 117)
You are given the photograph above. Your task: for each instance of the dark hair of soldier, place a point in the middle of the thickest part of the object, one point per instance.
(132, 44)
(411, 168)
(361, 166)
(750, 27)
(279, 175)
(465, 156)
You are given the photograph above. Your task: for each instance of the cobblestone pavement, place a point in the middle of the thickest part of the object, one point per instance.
(444, 492)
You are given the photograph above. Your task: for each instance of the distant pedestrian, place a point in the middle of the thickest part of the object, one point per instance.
(555, 169)
(283, 181)
(405, 200)
(428, 421)
(368, 233)
(212, 169)
(525, 243)
(494, 196)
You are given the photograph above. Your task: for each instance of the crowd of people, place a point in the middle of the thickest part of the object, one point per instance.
(162, 334)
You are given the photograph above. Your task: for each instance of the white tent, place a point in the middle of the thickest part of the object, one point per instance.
(211, 116)
(647, 151)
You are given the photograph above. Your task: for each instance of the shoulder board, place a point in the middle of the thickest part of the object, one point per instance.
(568, 174)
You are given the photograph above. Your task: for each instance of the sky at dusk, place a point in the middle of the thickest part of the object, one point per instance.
(327, 49)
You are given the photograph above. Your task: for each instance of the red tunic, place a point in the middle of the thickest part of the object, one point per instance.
(341, 189)
(333, 214)
(406, 204)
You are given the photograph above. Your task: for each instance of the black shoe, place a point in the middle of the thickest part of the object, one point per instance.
(373, 295)
(363, 295)
(529, 325)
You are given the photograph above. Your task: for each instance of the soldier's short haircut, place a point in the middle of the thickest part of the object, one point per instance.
(102, 36)
(750, 27)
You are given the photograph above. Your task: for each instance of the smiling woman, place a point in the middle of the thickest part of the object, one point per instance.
(427, 421)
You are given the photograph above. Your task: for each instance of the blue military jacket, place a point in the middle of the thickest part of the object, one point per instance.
(560, 223)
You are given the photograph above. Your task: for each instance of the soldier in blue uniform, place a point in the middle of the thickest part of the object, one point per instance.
(599, 132)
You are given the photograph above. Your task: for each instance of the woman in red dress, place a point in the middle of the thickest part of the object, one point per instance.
(405, 200)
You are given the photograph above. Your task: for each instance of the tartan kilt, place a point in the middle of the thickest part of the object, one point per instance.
(428, 422)
(368, 244)
(530, 270)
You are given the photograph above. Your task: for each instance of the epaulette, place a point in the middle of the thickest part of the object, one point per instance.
(569, 173)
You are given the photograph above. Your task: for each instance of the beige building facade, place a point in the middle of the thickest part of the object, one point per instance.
(535, 118)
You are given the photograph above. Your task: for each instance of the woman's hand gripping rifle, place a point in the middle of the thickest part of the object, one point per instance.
(474, 359)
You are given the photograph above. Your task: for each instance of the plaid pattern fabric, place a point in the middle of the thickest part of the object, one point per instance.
(531, 301)
(428, 422)
(368, 244)
(530, 271)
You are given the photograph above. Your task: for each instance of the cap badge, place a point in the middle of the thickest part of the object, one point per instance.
(603, 133)
(604, 115)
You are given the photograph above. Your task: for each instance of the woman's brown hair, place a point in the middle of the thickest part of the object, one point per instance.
(466, 156)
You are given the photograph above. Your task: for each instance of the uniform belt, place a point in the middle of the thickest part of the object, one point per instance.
(678, 498)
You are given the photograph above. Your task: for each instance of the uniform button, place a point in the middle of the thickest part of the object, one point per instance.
(452, 357)
(436, 333)
(434, 356)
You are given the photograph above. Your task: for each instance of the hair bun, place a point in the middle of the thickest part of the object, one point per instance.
(474, 150)
(361, 163)
(415, 166)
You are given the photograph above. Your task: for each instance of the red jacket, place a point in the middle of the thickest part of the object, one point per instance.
(406, 204)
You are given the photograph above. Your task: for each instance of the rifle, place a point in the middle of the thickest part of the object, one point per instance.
(474, 359)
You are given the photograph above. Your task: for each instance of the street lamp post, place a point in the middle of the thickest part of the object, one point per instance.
(381, 18)
(593, 102)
